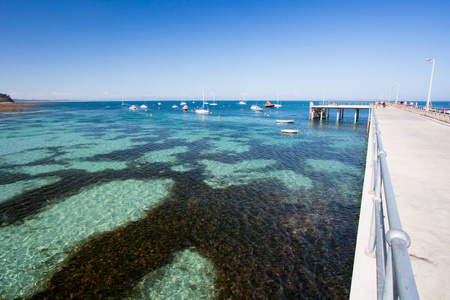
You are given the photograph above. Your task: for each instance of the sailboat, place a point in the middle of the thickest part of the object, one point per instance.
(213, 103)
(122, 102)
(144, 105)
(243, 102)
(278, 101)
(203, 110)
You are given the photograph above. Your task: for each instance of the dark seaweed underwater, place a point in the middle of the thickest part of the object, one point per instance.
(265, 240)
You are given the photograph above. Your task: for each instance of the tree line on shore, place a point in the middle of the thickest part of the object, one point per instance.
(5, 98)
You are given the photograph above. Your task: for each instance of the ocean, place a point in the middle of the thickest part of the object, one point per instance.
(101, 201)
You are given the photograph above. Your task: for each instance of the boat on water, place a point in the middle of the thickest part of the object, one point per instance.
(255, 107)
(268, 105)
(133, 107)
(144, 106)
(278, 105)
(159, 103)
(202, 110)
(285, 121)
(185, 108)
(291, 131)
(174, 106)
(243, 102)
(214, 101)
(182, 103)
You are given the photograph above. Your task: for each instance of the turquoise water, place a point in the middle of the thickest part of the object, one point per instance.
(101, 201)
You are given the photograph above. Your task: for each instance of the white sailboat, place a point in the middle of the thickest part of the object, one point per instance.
(243, 102)
(214, 101)
(203, 110)
(144, 105)
(278, 101)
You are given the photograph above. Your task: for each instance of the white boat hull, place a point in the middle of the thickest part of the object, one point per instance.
(292, 131)
(202, 111)
(285, 121)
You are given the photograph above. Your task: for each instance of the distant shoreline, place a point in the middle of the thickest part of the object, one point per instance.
(17, 107)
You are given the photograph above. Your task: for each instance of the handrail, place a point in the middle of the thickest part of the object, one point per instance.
(435, 112)
(394, 273)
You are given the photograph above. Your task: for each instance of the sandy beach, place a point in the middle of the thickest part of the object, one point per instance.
(8, 106)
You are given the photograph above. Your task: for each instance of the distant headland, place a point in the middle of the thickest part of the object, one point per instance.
(7, 104)
(6, 98)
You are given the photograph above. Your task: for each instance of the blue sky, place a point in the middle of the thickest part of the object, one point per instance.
(158, 50)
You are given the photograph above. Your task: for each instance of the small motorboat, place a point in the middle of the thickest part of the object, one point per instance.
(133, 107)
(182, 103)
(174, 106)
(256, 108)
(144, 106)
(185, 108)
(268, 105)
(292, 131)
(285, 121)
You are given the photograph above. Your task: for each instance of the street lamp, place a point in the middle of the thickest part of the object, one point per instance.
(398, 85)
(431, 82)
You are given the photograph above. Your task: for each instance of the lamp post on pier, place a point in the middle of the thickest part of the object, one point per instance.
(398, 85)
(431, 82)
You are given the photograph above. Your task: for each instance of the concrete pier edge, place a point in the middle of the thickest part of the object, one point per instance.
(418, 160)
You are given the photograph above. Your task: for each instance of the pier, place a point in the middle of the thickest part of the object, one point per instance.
(416, 151)
(323, 111)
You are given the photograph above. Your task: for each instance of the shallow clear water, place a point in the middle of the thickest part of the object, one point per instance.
(100, 201)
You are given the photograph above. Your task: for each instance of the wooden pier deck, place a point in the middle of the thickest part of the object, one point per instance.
(419, 164)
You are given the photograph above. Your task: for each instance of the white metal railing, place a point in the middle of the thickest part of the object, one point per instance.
(394, 273)
(436, 112)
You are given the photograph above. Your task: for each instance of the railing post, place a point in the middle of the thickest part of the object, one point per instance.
(388, 288)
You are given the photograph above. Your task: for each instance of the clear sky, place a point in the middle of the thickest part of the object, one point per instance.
(158, 50)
